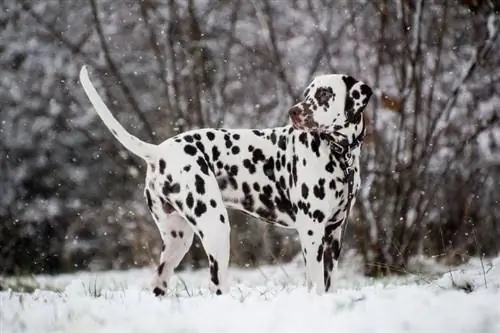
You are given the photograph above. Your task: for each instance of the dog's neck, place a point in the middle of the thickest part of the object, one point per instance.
(341, 143)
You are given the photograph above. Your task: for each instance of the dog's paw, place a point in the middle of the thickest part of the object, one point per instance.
(158, 292)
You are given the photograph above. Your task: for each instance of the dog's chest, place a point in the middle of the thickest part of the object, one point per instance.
(323, 179)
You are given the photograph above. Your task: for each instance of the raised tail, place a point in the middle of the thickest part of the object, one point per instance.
(135, 145)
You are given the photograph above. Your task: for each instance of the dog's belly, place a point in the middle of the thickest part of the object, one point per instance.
(259, 196)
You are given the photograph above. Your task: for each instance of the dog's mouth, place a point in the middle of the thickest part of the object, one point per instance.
(303, 122)
(301, 118)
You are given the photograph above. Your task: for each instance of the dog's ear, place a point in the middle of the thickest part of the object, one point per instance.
(357, 96)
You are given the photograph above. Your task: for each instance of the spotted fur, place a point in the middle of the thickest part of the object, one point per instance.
(287, 176)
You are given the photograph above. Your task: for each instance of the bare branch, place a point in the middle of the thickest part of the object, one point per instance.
(116, 73)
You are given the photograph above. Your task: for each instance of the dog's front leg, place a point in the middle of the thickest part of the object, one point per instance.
(331, 251)
(311, 239)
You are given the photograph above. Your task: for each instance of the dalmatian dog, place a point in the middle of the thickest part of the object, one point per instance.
(301, 176)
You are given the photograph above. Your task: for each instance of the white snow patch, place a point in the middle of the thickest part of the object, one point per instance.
(269, 299)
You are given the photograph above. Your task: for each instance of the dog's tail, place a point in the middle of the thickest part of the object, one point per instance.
(135, 145)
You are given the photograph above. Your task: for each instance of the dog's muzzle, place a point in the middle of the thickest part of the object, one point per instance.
(295, 114)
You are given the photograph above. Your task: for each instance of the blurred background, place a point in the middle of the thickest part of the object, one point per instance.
(71, 197)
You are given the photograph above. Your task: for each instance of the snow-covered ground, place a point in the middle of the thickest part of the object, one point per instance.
(269, 299)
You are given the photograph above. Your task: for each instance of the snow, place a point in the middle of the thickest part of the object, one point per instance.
(268, 299)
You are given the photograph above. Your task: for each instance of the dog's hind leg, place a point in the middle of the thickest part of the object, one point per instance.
(177, 236)
(202, 205)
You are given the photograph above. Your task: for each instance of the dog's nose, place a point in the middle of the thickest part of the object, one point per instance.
(294, 112)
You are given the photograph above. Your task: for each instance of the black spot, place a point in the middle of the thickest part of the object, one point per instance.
(203, 165)
(310, 232)
(266, 200)
(197, 136)
(149, 200)
(210, 136)
(235, 150)
(294, 169)
(188, 138)
(319, 190)
(222, 218)
(315, 142)
(215, 153)
(160, 268)
(191, 219)
(256, 186)
(319, 254)
(258, 133)
(303, 139)
(181, 234)
(179, 204)
(190, 200)
(232, 181)
(213, 203)
(233, 170)
(200, 146)
(269, 169)
(218, 292)
(318, 215)
(329, 167)
(268, 190)
(282, 142)
(249, 165)
(199, 183)
(190, 150)
(282, 182)
(236, 136)
(173, 233)
(273, 137)
(187, 168)
(284, 205)
(214, 271)
(355, 94)
(169, 188)
(201, 234)
(162, 165)
(258, 156)
(323, 96)
(200, 208)
(305, 191)
(327, 268)
(162, 247)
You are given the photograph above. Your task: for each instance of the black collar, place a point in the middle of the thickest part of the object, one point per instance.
(341, 147)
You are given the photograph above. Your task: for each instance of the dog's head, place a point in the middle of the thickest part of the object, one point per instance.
(332, 103)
